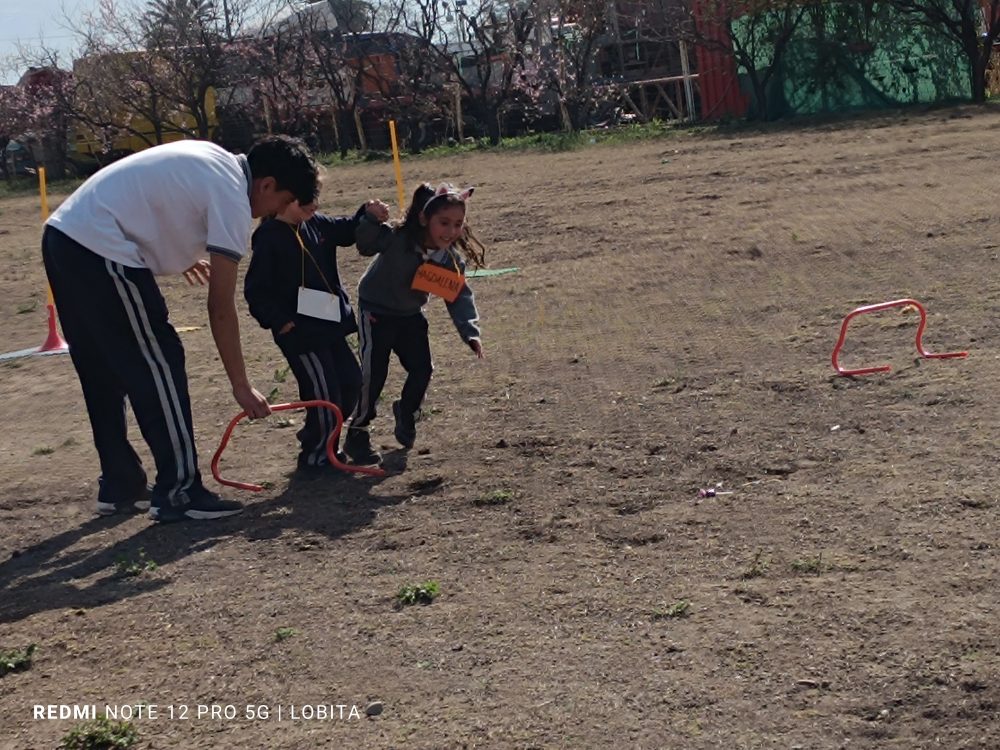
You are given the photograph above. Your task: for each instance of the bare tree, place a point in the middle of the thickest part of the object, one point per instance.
(974, 24)
(572, 35)
(480, 45)
(34, 113)
(282, 86)
(341, 55)
(757, 32)
(143, 75)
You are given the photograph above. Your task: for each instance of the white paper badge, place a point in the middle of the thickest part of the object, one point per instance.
(319, 304)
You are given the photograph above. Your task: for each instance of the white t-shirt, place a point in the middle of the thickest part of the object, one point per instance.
(163, 207)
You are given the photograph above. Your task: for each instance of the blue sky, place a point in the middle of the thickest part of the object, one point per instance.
(32, 20)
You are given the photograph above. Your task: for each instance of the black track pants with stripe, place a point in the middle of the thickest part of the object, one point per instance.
(379, 337)
(122, 344)
(328, 371)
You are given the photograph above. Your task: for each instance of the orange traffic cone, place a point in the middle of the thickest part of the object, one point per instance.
(53, 342)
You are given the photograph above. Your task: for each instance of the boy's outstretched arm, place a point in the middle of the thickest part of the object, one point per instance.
(341, 231)
(225, 325)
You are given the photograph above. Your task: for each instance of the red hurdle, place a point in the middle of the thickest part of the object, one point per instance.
(331, 451)
(883, 306)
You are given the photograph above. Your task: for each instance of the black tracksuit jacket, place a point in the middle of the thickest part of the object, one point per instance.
(277, 270)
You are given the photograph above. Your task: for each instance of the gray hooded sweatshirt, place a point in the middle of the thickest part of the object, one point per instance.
(384, 288)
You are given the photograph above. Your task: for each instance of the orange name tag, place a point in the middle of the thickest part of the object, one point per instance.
(442, 282)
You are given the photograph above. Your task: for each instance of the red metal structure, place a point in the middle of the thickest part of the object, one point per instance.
(718, 81)
(331, 443)
(883, 306)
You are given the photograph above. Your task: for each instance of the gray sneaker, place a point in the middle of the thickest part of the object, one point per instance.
(201, 506)
(108, 505)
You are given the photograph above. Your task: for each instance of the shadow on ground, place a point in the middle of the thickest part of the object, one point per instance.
(59, 572)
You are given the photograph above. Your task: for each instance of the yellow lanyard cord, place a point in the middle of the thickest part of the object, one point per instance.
(305, 252)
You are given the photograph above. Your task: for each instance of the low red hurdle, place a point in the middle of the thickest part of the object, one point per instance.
(331, 451)
(883, 306)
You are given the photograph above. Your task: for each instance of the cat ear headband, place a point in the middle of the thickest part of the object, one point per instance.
(449, 190)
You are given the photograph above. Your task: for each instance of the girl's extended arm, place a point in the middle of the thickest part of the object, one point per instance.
(465, 316)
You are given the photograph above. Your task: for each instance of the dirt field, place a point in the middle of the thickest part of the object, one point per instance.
(670, 329)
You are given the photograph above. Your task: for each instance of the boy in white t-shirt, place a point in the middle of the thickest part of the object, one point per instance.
(158, 212)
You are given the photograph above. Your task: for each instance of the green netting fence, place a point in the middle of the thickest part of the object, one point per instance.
(845, 56)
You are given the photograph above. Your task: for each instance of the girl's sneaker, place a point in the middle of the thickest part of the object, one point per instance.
(307, 470)
(358, 447)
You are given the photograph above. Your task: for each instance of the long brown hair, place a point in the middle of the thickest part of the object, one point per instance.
(468, 244)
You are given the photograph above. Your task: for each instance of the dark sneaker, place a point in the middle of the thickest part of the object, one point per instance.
(109, 505)
(201, 506)
(306, 470)
(406, 427)
(358, 447)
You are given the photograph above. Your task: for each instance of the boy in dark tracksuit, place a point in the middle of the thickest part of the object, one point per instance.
(298, 249)
(392, 318)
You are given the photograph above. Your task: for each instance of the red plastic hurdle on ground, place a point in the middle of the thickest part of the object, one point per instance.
(331, 443)
(883, 306)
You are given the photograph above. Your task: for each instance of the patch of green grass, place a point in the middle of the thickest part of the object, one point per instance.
(283, 634)
(333, 158)
(17, 660)
(29, 186)
(281, 374)
(808, 565)
(422, 593)
(28, 307)
(100, 734)
(496, 497)
(757, 568)
(680, 608)
(545, 142)
(43, 450)
(131, 568)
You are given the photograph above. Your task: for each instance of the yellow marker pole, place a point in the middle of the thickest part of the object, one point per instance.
(44, 194)
(399, 170)
(53, 342)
